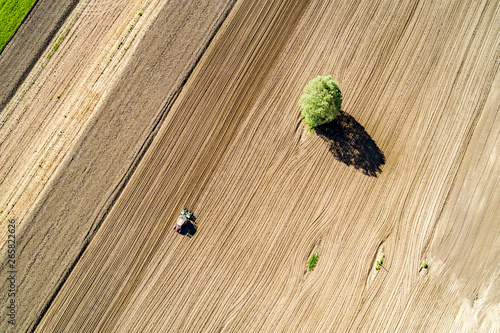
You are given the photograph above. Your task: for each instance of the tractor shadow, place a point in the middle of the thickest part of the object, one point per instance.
(349, 143)
(190, 228)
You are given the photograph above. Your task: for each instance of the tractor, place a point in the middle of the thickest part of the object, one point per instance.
(183, 220)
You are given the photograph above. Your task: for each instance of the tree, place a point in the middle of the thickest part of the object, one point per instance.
(321, 101)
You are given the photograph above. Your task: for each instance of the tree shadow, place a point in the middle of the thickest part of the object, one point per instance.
(349, 143)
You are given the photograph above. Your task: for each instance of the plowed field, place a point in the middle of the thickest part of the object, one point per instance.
(409, 172)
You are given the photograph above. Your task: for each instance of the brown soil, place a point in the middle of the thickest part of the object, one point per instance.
(90, 138)
(29, 42)
(414, 175)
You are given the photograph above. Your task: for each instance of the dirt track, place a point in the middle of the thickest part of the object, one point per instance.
(423, 81)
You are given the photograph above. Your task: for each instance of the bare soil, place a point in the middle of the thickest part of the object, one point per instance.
(410, 170)
(29, 42)
(79, 149)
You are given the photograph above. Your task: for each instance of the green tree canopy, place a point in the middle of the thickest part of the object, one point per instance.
(321, 101)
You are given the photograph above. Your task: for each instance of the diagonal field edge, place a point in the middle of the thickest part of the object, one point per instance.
(25, 47)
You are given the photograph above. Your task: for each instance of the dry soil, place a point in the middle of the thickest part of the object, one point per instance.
(409, 173)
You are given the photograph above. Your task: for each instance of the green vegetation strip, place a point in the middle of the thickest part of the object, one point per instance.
(12, 13)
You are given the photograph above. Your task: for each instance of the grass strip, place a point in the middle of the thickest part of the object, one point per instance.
(12, 13)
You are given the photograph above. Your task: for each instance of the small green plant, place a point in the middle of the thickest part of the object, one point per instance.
(321, 101)
(379, 263)
(58, 96)
(425, 265)
(311, 263)
(56, 45)
(140, 13)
